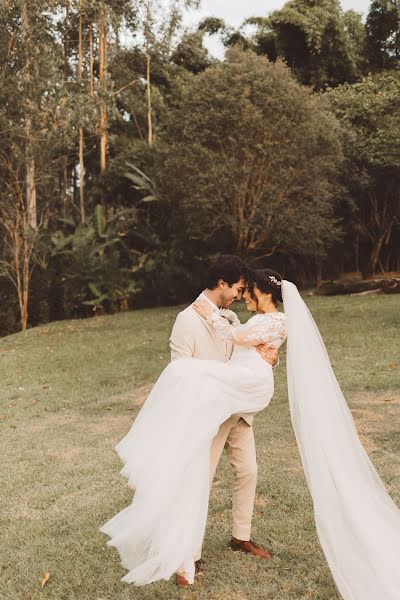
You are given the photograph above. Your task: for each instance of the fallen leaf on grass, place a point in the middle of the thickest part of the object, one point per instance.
(45, 579)
(261, 501)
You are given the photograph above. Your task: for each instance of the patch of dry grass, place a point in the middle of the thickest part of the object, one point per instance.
(69, 392)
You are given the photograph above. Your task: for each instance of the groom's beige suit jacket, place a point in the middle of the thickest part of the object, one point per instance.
(193, 336)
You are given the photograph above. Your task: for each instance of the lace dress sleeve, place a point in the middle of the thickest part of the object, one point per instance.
(265, 331)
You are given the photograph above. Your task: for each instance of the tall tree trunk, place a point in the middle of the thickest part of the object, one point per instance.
(22, 250)
(375, 252)
(149, 115)
(74, 185)
(102, 82)
(81, 175)
(148, 74)
(81, 134)
(25, 285)
(66, 41)
(30, 178)
(29, 155)
(91, 61)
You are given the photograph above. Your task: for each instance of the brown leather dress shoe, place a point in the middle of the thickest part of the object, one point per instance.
(250, 547)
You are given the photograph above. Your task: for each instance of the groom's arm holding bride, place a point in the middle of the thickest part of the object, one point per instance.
(188, 339)
(258, 336)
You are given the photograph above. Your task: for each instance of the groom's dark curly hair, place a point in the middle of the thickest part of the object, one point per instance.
(227, 267)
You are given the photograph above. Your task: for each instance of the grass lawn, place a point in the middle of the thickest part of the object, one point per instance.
(69, 392)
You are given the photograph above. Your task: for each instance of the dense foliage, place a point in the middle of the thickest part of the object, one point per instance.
(129, 155)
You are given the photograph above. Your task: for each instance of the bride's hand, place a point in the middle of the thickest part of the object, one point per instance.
(203, 308)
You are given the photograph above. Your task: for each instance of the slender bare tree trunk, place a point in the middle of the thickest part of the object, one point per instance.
(148, 75)
(74, 185)
(64, 175)
(25, 281)
(91, 61)
(66, 40)
(81, 134)
(375, 252)
(20, 240)
(30, 178)
(29, 155)
(149, 115)
(102, 81)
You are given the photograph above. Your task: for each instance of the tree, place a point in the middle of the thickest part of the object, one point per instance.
(81, 134)
(249, 154)
(383, 34)
(27, 76)
(161, 21)
(32, 124)
(370, 114)
(356, 34)
(102, 28)
(19, 234)
(315, 40)
(191, 53)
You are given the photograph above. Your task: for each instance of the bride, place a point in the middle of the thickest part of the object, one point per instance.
(166, 452)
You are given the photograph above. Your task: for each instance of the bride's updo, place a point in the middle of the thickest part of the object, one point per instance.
(268, 282)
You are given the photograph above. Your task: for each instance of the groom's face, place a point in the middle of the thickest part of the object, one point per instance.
(229, 294)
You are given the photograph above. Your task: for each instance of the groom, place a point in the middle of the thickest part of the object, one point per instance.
(191, 335)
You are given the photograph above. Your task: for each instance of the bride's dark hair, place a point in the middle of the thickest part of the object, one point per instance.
(267, 281)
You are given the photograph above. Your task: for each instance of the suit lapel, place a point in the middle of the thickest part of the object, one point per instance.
(212, 332)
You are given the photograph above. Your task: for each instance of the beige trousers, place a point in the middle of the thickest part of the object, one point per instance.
(238, 438)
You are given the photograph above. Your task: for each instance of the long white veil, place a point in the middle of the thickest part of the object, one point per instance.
(357, 522)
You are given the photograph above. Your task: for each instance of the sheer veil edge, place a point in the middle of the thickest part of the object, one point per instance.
(357, 522)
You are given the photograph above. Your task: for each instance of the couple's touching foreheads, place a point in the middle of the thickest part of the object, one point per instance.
(220, 376)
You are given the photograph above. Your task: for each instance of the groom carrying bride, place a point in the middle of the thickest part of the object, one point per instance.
(199, 405)
(194, 336)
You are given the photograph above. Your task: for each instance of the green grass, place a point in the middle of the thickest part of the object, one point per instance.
(69, 392)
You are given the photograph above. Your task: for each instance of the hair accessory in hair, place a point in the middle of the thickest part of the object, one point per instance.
(274, 279)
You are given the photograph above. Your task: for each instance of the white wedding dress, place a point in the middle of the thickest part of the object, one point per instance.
(166, 453)
(166, 456)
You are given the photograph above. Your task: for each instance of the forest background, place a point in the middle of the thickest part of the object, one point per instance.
(129, 156)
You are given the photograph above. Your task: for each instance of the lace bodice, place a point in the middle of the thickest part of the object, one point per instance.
(266, 328)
